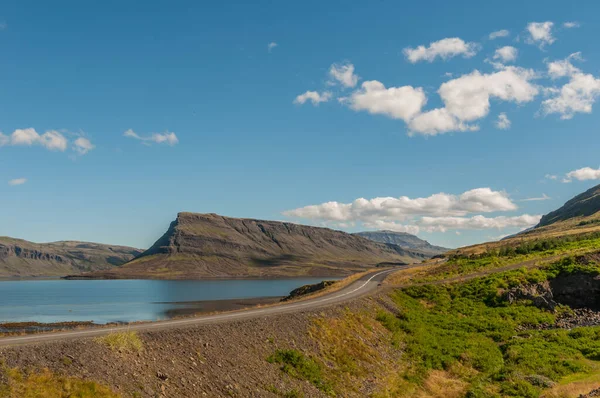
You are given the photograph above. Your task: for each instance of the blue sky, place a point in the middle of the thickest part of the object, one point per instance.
(116, 116)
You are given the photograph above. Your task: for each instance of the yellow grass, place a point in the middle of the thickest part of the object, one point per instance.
(46, 384)
(122, 341)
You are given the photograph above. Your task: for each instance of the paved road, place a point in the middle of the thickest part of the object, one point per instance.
(364, 285)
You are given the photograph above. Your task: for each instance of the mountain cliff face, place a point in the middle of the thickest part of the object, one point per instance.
(584, 204)
(20, 258)
(404, 240)
(213, 246)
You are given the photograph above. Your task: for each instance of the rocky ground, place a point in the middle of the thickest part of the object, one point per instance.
(212, 361)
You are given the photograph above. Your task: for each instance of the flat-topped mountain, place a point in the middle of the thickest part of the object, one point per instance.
(21, 258)
(582, 205)
(404, 240)
(213, 246)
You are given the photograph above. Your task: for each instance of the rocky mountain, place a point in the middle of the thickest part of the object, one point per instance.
(212, 246)
(20, 258)
(582, 205)
(404, 240)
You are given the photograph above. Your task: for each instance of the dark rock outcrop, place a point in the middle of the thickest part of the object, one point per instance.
(307, 289)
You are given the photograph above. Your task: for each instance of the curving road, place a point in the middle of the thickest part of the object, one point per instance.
(364, 285)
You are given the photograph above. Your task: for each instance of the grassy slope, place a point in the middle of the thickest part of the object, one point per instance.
(464, 338)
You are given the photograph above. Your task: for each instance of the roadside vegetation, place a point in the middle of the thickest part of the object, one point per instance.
(454, 340)
(531, 252)
(124, 342)
(15, 383)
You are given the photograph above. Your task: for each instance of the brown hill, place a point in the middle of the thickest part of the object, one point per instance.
(20, 258)
(213, 246)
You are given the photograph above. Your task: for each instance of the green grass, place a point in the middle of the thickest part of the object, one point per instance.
(471, 325)
(296, 364)
(461, 264)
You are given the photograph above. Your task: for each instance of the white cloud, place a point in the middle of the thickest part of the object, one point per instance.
(503, 122)
(506, 54)
(271, 46)
(168, 138)
(396, 102)
(313, 96)
(437, 121)
(24, 137)
(54, 141)
(551, 177)
(571, 24)
(467, 98)
(540, 33)
(499, 33)
(576, 96)
(436, 213)
(445, 49)
(538, 199)
(343, 74)
(17, 181)
(51, 140)
(82, 145)
(583, 174)
(478, 222)
(480, 200)
(564, 67)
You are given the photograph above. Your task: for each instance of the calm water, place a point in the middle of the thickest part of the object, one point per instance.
(123, 300)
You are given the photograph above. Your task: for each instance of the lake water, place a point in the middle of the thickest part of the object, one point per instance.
(103, 301)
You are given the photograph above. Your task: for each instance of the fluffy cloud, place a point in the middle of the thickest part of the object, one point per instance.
(313, 97)
(437, 121)
(51, 140)
(343, 74)
(583, 174)
(396, 102)
(445, 49)
(168, 138)
(442, 224)
(499, 33)
(576, 96)
(540, 33)
(506, 54)
(271, 46)
(571, 24)
(436, 213)
(82, 145)
(564, 67)
(467, 98)
(503, 122)
(480, 200)
(17, 181)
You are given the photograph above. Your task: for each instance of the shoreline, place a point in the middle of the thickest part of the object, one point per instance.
(186, 309)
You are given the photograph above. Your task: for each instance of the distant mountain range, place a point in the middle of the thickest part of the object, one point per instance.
(404, 240)
(213, 246)
(21, 258)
